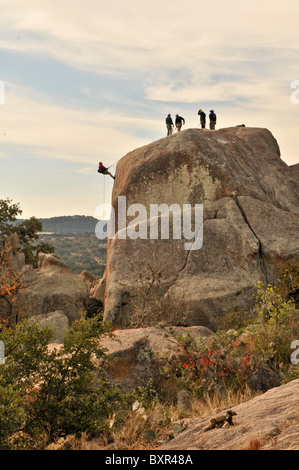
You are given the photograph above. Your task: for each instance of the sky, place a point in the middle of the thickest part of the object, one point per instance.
(89, 81)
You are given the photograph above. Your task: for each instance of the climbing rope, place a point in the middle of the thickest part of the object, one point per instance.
(104, 192)
(113, 164)
(104, 186)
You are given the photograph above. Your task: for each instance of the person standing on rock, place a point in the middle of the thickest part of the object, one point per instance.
(169, 124)
(179, 121)
(202, 118)
(213, 119)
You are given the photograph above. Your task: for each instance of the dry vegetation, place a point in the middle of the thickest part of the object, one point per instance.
(148, 429)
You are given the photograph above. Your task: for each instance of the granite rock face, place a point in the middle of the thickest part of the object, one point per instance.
(135, 356)
(50, 288)
(250, 200)
(267, 422)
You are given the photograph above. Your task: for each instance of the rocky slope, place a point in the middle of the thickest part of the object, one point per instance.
(53, 294)
(268, 422)
(250, 201)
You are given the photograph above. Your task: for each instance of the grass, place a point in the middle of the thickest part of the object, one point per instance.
(203, 407)
(148, 429)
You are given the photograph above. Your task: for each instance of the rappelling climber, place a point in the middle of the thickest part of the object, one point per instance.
(104, 171)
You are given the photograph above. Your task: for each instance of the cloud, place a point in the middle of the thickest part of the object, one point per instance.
(91, 80)
(216, 47)
(31, 120)
(229, 90)
(136, 35)
(85, 170)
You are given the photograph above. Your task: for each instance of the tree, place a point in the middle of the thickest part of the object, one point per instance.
(45, 395)
(26, 230)
(10, 284)
(8, 215)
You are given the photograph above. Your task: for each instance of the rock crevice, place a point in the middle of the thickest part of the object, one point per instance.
(250, 201)
(261, 256)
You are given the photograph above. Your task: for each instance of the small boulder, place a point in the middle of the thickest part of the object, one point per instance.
(57, 321)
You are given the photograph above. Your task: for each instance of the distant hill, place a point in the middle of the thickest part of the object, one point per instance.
(68, 224)
(79, 251)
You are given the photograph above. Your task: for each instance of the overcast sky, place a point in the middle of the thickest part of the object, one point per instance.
(88, 81)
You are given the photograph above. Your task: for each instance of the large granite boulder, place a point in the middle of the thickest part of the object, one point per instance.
(57, 321)
(136, 356)
(52, 287)
(267, 422)
(250, 201)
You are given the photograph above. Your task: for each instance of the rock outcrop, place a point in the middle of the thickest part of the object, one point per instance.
(269, 421)
(53, 287)
(57, 321)
(136, 356)
(250, 201)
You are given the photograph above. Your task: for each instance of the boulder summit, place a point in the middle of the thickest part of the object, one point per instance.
(250, 201)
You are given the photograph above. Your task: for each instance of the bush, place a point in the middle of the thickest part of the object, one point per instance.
(220, 362)
(276, 326)
(46, 395)
(227, 360)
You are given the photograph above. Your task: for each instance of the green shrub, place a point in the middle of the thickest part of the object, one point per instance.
(226, 360)
(276, 326)
(235, 319)
(46, 395)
